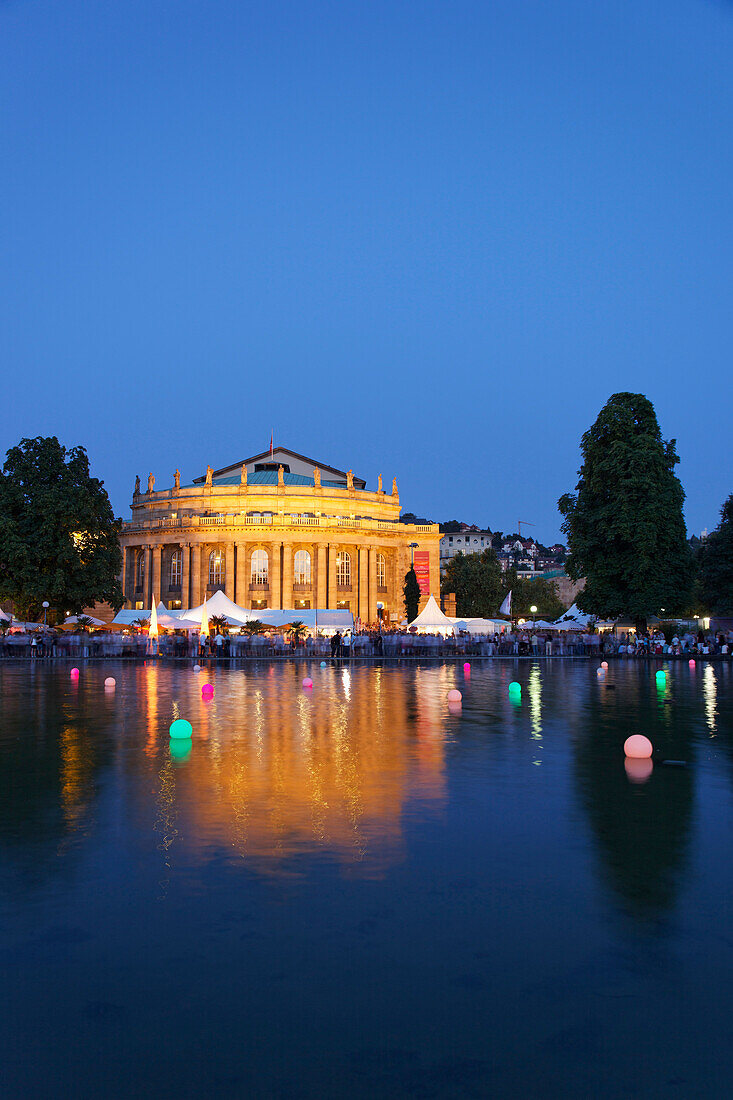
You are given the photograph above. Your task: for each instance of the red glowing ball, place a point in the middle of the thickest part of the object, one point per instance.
(638, 747)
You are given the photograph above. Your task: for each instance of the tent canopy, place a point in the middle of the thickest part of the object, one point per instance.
(431, 620)
(574, 618)
(479, 626)
(73, 620)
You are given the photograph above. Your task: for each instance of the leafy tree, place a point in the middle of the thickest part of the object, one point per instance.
(476, 581)
(536, 592)
(450, 527)
(220, 623)
(625, 527)
(297, 631)
(411, 592)
(716, 564)
(141, 624)
(254, 626)
(59, 540)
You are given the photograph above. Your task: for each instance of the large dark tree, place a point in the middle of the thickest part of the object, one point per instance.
(716, 564)
(625, 527)
(59, 540)
(411, 592)
(536, 592)
(476, 581)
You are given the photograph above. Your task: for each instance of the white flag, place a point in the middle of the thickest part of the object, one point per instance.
(506, 607)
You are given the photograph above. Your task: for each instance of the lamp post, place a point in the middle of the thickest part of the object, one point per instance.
(45, 611)
(413, 548)
(533, 609)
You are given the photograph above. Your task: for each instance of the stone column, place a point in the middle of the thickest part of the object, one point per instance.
(229, 571)
(287, 575)
(195, 575)
(320, 587)
(364, 584)
(372, 584)
(157, 570)
(185, 573)
(147, 551)
(274, 575)
(332, 597)
(240, 596)
(125, 587)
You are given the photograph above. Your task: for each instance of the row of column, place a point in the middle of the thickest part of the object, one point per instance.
(194, 576)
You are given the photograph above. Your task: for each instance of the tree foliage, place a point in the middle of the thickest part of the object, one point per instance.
(59, 539)
(625, 527)
(411, 592)
(536, 592)
(476, 581)
(716, 564)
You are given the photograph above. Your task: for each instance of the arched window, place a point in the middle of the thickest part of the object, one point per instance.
(258, 573)
(216, 567)
(302, 567)
(343, 569)
(381, 572)
(176, 568)
(140, 569)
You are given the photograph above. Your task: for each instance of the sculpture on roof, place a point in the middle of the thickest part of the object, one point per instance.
(350, 479)
(243, 479)
(281, 475)
(209, 474)
(394, 487)
(177, 479)
(379, 483)
(151, 483)
(317, 478)
(136, 490)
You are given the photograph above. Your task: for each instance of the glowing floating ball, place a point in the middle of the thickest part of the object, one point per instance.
(207, 691)
(600, 672)
(467, 666)
(180, 730)
(197, 668)
(638, 747)
(307, 682)
(604, 664)
(74, 673)
(323, 664)
(180, 750)
(454, 696)
(691, 663)
(638, 771)
(110, 682)
(661, 678)
(515, 688)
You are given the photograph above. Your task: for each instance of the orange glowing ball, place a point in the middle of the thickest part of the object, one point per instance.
(638, 771)
(604, 664)
(638, 747)
(110, 682)
(454, 696)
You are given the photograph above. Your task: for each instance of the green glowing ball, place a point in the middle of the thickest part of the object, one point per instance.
(181, 730)
(180, 750)
(661, 677)
(515, 688)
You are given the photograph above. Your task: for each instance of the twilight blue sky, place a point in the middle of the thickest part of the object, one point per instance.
(427, 239)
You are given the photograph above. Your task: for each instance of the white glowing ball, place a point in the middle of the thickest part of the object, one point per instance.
(110, 682)
(197, 668)
(454, 696)
(604, 664)
(307, 682)
(638, 747)
(601, 673)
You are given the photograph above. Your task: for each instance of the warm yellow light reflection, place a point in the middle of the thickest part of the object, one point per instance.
(710, 696)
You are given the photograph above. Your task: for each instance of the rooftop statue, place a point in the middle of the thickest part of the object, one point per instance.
(350, 479)
(136, 490)
(243, 479)
(394, 487)
(317, 478)
(280, 475)
(177, 479)
(151, 483)
(379, 483)
(209, 472)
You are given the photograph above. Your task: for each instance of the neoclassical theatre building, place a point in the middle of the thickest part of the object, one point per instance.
(276, 531)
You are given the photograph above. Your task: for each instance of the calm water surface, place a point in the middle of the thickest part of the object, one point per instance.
(354, 892)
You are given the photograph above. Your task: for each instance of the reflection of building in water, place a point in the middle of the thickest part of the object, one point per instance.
(275, 773)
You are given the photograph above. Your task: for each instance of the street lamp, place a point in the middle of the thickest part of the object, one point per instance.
(533, 609)
(45, 611)
(413, 548)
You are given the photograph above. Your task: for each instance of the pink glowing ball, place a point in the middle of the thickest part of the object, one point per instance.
(207, 691)
(638, 771)
(604, 664)
(691, 663)
(74, 673)
(110, 682)
(638, 747)
(467, 666)
(454, 696)
(307, 682)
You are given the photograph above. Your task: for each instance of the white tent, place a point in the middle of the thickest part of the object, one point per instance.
(73, 620)
(220, 604)
(5, 618)
(431, 620)
(479, 626)
(574, 619)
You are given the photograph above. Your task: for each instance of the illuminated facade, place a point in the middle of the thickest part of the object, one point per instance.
(276, 531)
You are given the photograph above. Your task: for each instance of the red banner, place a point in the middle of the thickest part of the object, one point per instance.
(422, 570)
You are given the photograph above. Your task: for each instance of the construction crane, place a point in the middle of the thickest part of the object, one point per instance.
(526, 524)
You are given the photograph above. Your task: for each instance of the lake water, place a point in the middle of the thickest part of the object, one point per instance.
(355, 892)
